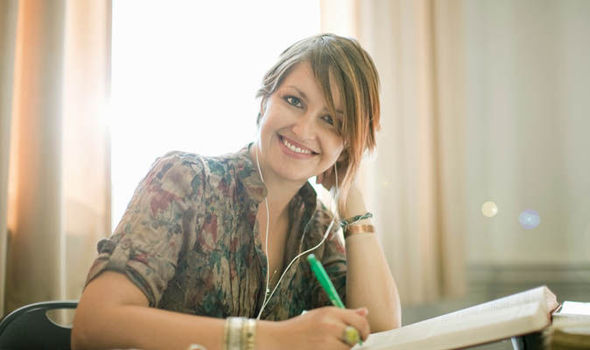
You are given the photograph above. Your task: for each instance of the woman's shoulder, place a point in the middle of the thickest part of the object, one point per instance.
(197, 161)
(180, 157)
(176, 165)
(195, 170)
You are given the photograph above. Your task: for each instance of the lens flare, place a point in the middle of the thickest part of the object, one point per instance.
(489, 209)
(529, 219)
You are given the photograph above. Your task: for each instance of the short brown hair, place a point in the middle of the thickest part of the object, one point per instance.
(354, 73)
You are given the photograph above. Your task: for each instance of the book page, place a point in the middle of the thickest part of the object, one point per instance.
(540, 294)
(522, 312)
(570, 327)
(469, 329)
(573, 308)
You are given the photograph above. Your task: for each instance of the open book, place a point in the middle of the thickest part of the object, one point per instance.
(514, 315)
(570, 328)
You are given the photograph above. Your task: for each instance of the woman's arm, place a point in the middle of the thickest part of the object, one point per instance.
(114, 313)
(369, 280)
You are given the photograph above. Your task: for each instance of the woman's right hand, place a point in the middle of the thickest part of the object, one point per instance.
(321, 328)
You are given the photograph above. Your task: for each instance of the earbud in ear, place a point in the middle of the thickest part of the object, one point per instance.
(336, 175)
(261, 112)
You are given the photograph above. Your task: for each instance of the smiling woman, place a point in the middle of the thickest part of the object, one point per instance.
(209, 249)
(194, 72)
(297, 137)
(337, 80)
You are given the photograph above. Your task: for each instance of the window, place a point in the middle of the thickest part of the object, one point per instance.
(185, 76)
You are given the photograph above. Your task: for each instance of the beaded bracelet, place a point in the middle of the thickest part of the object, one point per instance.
(354, 219)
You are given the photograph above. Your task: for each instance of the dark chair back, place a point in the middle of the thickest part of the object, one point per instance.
(29, 327)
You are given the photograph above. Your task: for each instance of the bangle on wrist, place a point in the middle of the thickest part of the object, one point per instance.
(239, 333)
(232, 333)
(350, 221)
(358, 229)
(250, 334)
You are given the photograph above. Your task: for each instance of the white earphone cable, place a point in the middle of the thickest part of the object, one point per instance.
(266, 290)
(267, 297)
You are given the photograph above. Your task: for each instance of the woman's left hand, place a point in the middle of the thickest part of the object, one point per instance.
(355, 204)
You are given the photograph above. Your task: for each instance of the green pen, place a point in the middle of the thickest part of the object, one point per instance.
(326, 283)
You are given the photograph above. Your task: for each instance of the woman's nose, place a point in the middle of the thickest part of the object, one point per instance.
(303, 126)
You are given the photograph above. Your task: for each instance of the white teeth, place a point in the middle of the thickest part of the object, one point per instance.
(295, 148)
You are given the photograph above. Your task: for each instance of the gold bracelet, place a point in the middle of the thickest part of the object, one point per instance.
(226, 335)
(243, 335)
(356, 229)
(250, 334)
(234, 327)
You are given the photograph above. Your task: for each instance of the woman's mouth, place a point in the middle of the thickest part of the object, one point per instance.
(296, 148)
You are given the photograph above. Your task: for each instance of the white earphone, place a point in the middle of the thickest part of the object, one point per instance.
(268, 296)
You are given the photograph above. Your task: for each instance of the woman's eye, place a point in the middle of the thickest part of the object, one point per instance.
(328, 119)
(293, 101)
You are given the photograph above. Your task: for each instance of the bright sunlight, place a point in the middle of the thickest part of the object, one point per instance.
(185, 75)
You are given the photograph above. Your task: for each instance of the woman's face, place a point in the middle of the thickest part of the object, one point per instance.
(298, 136)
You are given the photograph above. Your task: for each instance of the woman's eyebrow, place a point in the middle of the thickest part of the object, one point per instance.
(301, 93)
(304, 96)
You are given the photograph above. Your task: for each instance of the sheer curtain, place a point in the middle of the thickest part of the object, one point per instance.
(8, 14)
(54, 183)
(414, 179)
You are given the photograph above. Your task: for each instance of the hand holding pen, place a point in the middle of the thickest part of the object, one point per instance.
(350, 335)
(320, 328)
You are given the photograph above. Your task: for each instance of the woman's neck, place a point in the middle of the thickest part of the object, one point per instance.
(278, 196)
(279, 191)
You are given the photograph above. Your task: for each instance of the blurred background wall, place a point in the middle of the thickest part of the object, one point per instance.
(481, 179)
(527, 106)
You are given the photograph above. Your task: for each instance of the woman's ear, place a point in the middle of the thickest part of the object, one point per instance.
(263, 102)
(261, 111)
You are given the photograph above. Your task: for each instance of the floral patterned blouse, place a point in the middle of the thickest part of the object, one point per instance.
(190, 241)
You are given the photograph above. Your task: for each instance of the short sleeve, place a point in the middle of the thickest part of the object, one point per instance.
(159, 223)
(334, 260)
